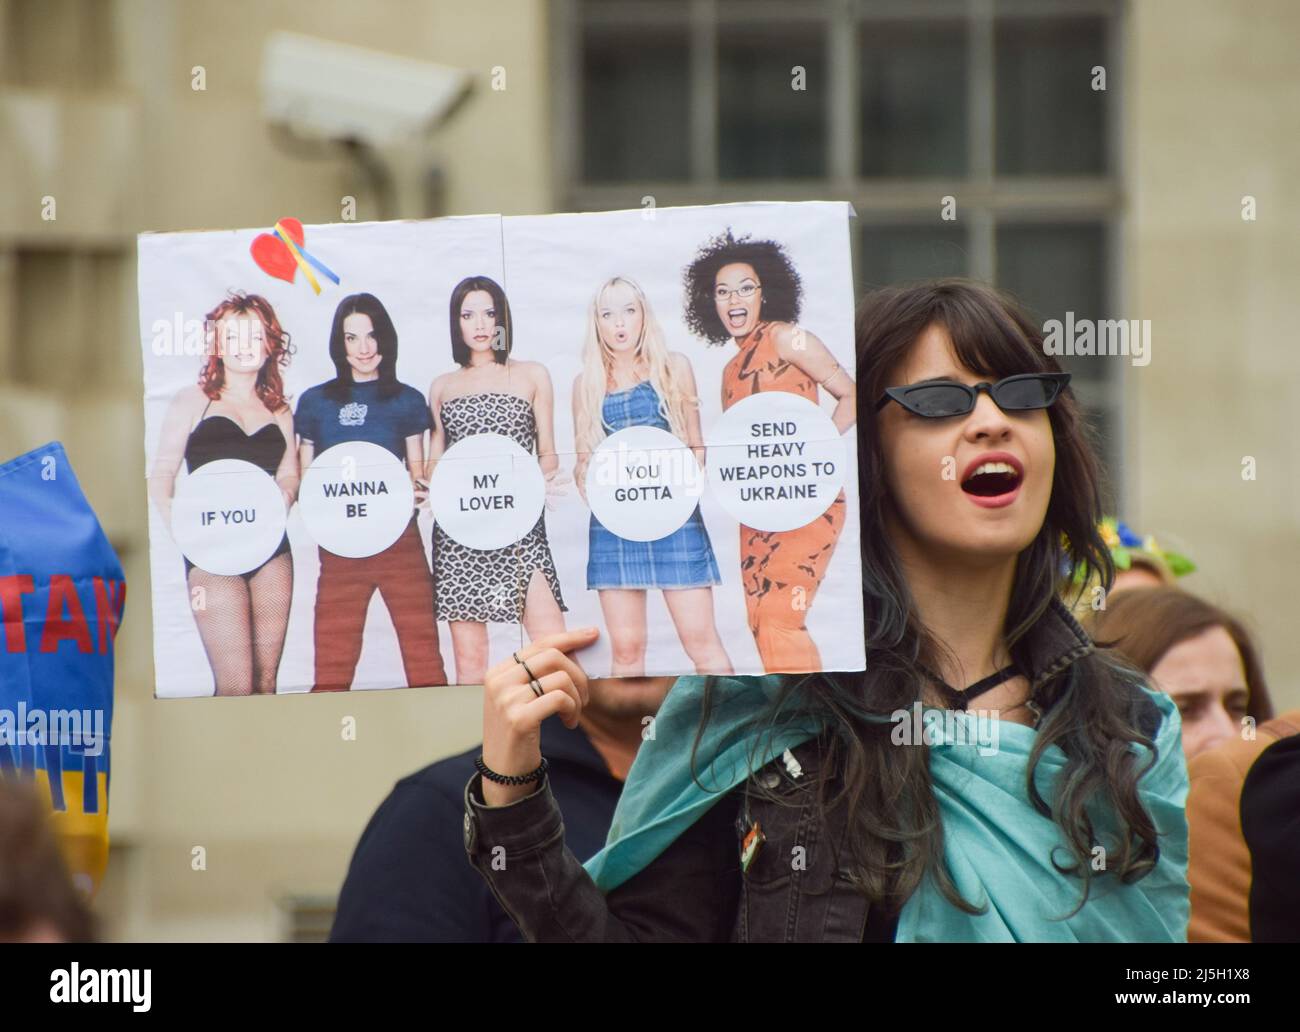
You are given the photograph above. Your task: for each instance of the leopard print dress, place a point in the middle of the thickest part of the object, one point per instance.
(490, 585)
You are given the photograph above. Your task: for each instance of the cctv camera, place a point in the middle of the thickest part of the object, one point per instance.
(341, 92)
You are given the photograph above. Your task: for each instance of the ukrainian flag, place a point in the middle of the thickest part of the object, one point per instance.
(62, 594)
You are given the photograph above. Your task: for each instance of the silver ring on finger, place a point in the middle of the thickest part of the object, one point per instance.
(536, 686)
(531, 676)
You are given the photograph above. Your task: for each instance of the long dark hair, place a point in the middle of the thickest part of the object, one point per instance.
(896, 835)
(459, 349)
(340, 387)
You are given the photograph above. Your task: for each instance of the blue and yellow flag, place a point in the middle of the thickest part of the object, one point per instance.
(62, 593)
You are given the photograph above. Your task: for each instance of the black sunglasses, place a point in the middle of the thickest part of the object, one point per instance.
(939, 399)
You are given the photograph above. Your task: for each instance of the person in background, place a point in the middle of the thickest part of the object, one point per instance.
(409, 880)
(1206, 661)
(1139, 561)
(1243, 817)
(1195, 652)
(38, 901)
(1270, 822)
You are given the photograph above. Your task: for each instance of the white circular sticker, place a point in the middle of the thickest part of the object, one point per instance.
(228, 516)
(643, 483)
(486, 491)
(356, 499)
(776, 461)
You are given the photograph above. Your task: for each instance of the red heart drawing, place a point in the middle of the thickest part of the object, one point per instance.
(271, 254)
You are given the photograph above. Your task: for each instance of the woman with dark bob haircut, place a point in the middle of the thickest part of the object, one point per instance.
(749, 291)
(491, 392)
(991, 776)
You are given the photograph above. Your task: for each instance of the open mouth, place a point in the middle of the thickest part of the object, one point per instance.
(737, 316)
(991, 479)
(994, 480)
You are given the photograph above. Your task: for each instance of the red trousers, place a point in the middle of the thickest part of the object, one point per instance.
(400, 574)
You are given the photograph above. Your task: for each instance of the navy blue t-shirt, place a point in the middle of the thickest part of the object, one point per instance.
(410, 880)
(363, 416)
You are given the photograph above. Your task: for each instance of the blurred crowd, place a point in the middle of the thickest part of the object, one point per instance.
(1243, 765)
(1243, 760)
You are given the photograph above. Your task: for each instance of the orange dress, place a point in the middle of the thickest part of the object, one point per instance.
(774, 564)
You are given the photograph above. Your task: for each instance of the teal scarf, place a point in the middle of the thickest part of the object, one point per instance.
(998, 848)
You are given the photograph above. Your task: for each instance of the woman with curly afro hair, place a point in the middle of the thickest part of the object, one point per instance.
(749, 292)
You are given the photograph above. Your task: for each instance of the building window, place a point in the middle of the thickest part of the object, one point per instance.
(626, 87)
(767, 129)
(892, 105)
(912, 110)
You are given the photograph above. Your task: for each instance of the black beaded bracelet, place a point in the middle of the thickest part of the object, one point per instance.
(509, 779)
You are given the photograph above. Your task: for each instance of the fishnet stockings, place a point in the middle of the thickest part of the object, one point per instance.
(242, 623)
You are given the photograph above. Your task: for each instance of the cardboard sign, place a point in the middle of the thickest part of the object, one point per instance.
(389, 454)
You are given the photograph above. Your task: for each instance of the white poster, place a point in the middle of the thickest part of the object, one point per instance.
(388, 454)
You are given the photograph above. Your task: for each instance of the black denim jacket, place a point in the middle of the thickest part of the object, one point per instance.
(695, 891)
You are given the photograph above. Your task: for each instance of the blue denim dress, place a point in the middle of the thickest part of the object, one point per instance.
(683, 559)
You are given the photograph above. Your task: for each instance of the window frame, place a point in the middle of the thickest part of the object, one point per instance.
(985, 198)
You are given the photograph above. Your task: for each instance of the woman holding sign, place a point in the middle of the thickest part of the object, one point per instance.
(1070, 828)
(748, 291)
(630, 378)
(237, 411)
(366, 402)
(492, 393)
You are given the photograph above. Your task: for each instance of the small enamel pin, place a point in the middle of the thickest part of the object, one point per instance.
(754, 839)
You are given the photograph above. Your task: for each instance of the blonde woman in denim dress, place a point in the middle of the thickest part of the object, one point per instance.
(630, 378)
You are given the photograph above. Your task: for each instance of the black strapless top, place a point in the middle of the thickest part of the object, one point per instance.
(220, 437)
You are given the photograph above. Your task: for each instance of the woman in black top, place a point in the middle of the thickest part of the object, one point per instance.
(237, 410)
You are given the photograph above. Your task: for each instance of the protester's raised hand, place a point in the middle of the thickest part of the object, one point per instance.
(513, 711)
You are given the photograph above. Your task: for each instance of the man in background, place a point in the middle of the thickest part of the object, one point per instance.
(409, 880)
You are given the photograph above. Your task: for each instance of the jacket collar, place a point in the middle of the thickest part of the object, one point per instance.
(1054, 642)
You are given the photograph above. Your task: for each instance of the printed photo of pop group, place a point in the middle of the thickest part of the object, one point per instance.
(388, 454)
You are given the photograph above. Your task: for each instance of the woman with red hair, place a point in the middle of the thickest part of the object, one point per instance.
(237, 410)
